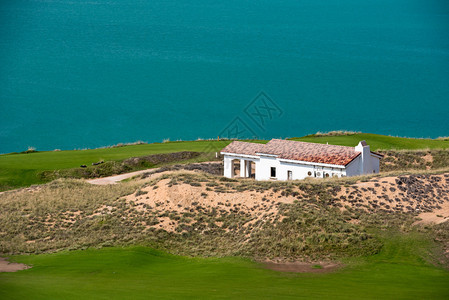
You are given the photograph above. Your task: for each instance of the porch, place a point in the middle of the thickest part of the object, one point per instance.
(239, 167)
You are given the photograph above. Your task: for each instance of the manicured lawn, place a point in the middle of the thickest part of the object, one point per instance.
(377, 141)
(397, 272)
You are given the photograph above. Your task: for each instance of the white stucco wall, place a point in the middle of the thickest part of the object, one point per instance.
(299, 170)
(375, 164)
(363, 165)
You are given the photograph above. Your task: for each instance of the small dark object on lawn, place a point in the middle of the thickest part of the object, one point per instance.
(83, 166)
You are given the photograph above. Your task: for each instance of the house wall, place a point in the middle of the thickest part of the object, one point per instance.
(363, 165)
(263, 167)
(299, 171)
(375, 164)
(354, 168)
(369, 163)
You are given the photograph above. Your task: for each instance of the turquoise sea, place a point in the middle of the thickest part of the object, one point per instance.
(77, 74)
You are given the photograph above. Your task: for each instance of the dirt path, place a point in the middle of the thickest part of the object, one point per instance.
(117, 178)
(6, 266)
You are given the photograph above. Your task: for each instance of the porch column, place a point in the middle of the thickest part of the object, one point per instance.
(242, 168)
(248, 168)
(228, 167)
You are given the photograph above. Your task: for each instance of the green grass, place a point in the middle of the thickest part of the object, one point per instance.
(377, 141)
(17, 170)
(397, 272)
(22, 169)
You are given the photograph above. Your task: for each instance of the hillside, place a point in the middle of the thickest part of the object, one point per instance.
(187, 229)
(25, 169)
(195, 213)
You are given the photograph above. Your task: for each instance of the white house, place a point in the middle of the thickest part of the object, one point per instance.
(290, 160)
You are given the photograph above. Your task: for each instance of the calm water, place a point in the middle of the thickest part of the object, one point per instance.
(77, 74)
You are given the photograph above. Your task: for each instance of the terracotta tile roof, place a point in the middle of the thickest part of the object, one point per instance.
(311, 152)
(294, 150)
(245, 148)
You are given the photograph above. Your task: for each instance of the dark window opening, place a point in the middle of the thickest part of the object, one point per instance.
(309, 173)
(273, 172)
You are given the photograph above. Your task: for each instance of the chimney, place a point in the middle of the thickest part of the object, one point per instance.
(365, 151)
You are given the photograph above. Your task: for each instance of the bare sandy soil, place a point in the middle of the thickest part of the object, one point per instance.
(184, 198)
(6, 266)
(437, 216)
(425, 196)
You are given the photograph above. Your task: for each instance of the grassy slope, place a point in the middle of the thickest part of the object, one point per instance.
(397, 272)
(377, 141)
(18, 170)
(22, 169)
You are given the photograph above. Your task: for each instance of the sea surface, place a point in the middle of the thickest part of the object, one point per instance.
(81, 74)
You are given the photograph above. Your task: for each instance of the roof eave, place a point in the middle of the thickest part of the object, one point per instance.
(311, 163)
(239, 154)
(377, 154)
(267, 154)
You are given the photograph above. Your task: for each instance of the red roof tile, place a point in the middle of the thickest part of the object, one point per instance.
(245, 148)
(294, 150)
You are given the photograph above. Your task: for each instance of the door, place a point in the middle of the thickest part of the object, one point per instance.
(289, 175)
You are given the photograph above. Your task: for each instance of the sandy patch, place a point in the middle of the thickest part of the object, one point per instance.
(437, 216)
(184, 198)
(6, 266)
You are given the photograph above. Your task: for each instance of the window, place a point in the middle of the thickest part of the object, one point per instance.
(273, 172)
(326, 174)
(309, 173)
(318, 174)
